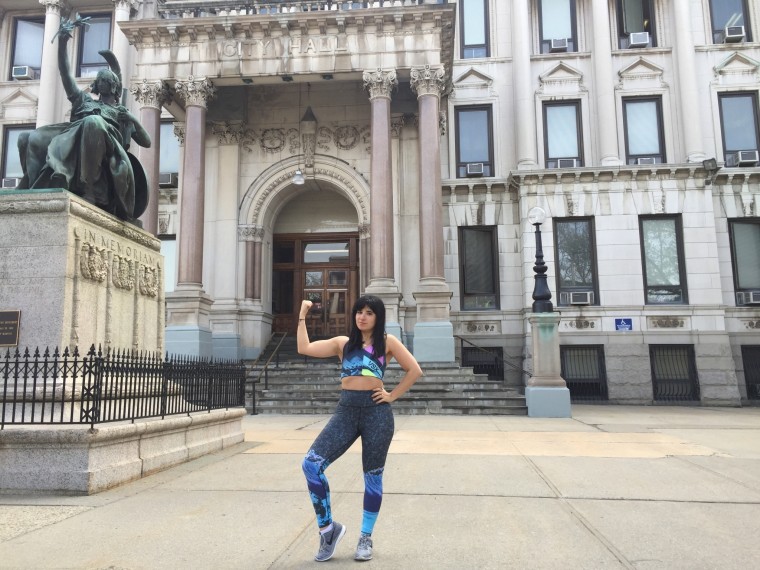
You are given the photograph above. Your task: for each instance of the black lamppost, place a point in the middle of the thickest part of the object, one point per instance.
(541, 294)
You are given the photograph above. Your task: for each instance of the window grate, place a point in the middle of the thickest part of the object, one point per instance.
(751, 361)
(584, 372)
(674, 373)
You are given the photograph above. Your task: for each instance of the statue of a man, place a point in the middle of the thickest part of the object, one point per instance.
(88, 156)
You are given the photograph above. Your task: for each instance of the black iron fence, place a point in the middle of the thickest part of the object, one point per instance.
(66, 388)
(674, 373)
(582, 367)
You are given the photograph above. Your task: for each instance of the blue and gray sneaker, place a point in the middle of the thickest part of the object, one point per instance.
(328, 542)
(364, 548)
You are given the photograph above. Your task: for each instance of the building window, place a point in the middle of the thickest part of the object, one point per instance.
(488, 360)
(582, 367)
(644, 139)
(563, 146)
(575, 260)
(744, 236)
(169, 156)
(11, 164)
(28, 37)
(557, 26)
(474, 141)
(635, 24)
(739, 127)
(92, 39)
(474, 28)
(674, 373)
(662, 253)
(169, 251)
(729, 21)
(479, 268)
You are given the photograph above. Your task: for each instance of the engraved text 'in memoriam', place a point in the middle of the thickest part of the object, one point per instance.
(114, 245)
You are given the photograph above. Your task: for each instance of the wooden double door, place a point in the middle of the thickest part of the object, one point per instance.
(322, 268)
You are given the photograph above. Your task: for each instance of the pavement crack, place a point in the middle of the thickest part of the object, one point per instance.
(611, 548)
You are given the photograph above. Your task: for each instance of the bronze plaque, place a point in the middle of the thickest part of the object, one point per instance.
(9, 326)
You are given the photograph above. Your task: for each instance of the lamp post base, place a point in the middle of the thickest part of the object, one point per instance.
(548, 402)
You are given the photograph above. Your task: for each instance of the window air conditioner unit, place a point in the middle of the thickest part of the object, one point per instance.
(22, 72)
(748, 298)
(10, 183)
(743, 158)
(568, 163)
(558, 45)
(167, 180)
(474, 169)
(577, 298)
(638, 40)
(646, 160)
(732, 34)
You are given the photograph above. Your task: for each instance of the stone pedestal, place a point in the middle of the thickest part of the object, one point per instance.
(387, 291)
(433, 333)
(188, 328)
(78, 275)
(546, 394)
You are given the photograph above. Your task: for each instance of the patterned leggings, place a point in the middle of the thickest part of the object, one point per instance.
(357, 415)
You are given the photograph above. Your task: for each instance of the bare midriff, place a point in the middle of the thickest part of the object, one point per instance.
(361, 383)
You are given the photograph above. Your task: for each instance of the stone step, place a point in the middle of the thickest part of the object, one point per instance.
(418, 410)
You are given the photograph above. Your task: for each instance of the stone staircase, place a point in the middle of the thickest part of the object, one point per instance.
(299, 385)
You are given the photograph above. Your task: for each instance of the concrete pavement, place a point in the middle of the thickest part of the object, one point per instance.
(613, 487)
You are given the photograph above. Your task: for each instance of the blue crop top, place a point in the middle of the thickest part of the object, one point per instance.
(362, 362)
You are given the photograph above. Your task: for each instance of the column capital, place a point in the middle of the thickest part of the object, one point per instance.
(131, 4)
(53, 5)
(250, 233)
(428, 80)
(151, 93)
(196, 91)
(179, 132)
(380, 83)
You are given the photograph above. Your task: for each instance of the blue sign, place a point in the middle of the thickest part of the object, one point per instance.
(623, 324)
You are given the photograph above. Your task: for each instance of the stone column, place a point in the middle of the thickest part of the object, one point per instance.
(49, 75)
(380, 83)
(151, 95)
(522, 88)
(433, 333)
(188, 325)
(687, 80)
(196, 92)
(120, 44)
(604, 86)
(253, 237)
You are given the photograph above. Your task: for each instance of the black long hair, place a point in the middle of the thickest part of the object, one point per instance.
(377, 306)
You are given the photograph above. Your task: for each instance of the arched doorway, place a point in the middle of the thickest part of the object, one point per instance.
(315, 256)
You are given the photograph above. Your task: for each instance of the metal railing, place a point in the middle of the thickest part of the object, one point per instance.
(265, 369)
(674, 373)
(751, 361)
(488, 360)
(584, 371)
(66, 388)
(201, 9)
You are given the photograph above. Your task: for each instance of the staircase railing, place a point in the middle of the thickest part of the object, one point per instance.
(275, 355)
(496, 357)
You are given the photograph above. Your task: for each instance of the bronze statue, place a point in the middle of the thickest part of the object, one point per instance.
(88, 156)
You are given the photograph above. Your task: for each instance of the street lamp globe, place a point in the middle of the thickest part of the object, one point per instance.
(536, 215)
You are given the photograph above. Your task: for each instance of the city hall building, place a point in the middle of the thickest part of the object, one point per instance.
(320, 150)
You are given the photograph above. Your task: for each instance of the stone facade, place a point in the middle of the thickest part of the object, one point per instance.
(383, 83)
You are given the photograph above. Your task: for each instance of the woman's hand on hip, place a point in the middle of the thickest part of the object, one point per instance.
(381, 396)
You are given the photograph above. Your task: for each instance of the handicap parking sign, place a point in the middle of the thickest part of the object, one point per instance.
(623, 324)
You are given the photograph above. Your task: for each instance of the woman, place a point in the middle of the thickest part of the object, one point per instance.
(363, 411)
(88, 155)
